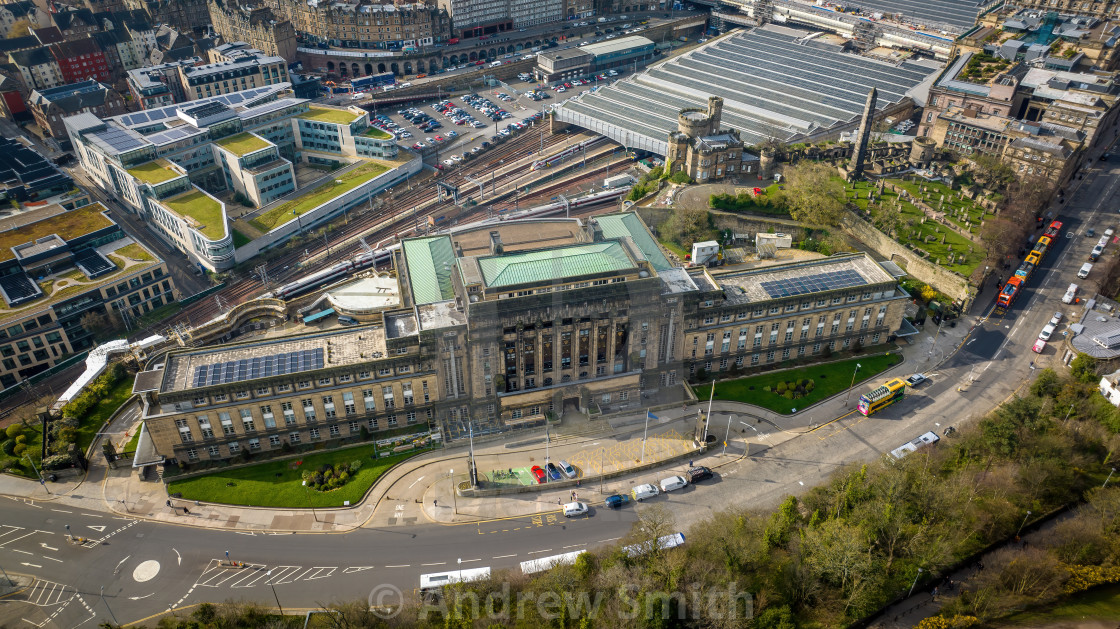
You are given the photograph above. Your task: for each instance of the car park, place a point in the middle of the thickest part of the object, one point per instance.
(538, 473)
(573, 509)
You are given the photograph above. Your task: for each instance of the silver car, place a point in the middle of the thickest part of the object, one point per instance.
(567, 469)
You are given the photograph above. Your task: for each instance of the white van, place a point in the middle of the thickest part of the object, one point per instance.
(673, 483)
(495, 64)
(572, 509)
(602, 20)
(1085, 268)
(1071, 293)
(641, 492)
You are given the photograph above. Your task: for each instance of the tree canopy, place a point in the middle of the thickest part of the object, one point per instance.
(814, 195)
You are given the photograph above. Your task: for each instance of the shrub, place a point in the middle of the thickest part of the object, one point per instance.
(788, 395)
(19, 449)
(68, 434)
(57, 462)
(355, 465)
(9, 447)
(13, 431)
(781, 388)
(680, 177)
(21, 439)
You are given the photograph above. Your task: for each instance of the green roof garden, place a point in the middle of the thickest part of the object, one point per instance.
(555, 264)
(68, 225)
(154, 172)
(242, 144)
(377, 134)
(202, 208)
(338, 185)
(323, 114)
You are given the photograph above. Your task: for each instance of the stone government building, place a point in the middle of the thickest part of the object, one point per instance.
(504, 325)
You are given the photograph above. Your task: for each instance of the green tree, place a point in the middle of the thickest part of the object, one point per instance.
(814, 195)
(1084, 369)
(685, 227)
(20, 28)
(992, 172)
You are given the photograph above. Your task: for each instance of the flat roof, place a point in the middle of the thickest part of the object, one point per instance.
(154, 172)
(801, 278)
(545, 265)
(30, 226)
(348, 346)
(242, 143)
(518, 235)
(203, 208)
(429, 268)
(616, 45)
(325, 114)
(367, 294)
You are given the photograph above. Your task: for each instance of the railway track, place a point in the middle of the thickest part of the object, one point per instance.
(392, 215)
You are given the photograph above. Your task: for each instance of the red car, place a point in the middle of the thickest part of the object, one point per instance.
(538, 473)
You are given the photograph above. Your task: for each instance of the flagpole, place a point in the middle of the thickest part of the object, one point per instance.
(645, 433)
(711, 397)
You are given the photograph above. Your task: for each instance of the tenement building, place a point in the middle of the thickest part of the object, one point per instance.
(257, 25)
(508, 325)
(365, 24)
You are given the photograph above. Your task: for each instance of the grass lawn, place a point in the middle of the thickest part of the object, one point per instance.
(279, 484)
(153, 172)
(19, 466)
(322, 114)
(956, 206)
(911, 230)
(764, 203)
(377, 134)
(99, 414)
(313, 199)
(242, 144)
(77, 222)
(240, 240)
(830, 379)
(202, 208)
(134, 251)
(675, 248)
(131, 445)
(1102, 604)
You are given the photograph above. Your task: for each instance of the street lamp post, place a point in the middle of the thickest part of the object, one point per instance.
(852, 386)
(37, 473)
(307, 493)
(1024, 523)
(915, 582)
(454, 494)
(1109, 478)
(727, 433)
(273, 586)
(69, 535)
(111, 614)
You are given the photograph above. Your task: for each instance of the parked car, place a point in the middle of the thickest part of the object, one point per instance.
(1071, 294)
(1047, 331)
(567, 469)
(615, 501)
(1039, 345)
(538, 473)
(916, 379)
(641, 492)
(1056, 318)
(553, 471)
(698, 473)
(573, 509)
(673, 483)
(1083, 272)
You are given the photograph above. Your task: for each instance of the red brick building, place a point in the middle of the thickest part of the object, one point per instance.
(81, 60)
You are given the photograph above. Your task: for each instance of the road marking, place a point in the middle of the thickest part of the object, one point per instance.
(22, 552)
(119, 564)
(469, 560)
(356, 569)
(31, 565)
(47, 547)
(61, 511)
(98, 528)
(533, 552)
(416, 481)
(575, 545)
(603, 541)
(440, 563)
(137, 598)
(52, 559)
(504, 556)
(178, 556)
(401, 566)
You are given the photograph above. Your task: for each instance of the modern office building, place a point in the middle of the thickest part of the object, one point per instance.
(501, 326)
(25, 175)
(181, 165)
(59, 263)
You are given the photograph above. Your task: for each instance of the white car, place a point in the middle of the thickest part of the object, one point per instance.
(673, 483)
(1046, 332)
(1056, 318)
(573, 509)
(448, 162)
(1071, 294)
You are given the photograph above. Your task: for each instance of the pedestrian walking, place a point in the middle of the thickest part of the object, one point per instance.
(935, 593)
(559, 502)
(186, 511)
(690, 462)
(435, 503)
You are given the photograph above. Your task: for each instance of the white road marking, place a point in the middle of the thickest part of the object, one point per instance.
(137, 598)
(178, 556)
(119, 563)
(47, 547)
(604, 541)
(575, 545)
(52, 559)
(23, 552)
(401, 566)
(533, 552)
(354, 569)
(61, 511)
(99, 528)
(440, 563)
(31, 565)
(504, 556)
(416, 481)
(470, 560)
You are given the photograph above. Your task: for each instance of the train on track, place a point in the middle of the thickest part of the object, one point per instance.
(1017, 282)
(567, 153)
(594, 198)
(335, 272)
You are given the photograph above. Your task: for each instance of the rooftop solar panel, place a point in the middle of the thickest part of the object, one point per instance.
(93, 264)
(815, 283)
(231, 371)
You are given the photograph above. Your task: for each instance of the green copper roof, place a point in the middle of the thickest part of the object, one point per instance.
(628, 224)
(429, 268)
(545, 265)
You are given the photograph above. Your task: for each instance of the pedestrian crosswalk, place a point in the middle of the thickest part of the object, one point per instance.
(219, 574)
(47, 593)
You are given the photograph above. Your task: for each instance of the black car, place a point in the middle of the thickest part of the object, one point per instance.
(698, 473)
(485, 145)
